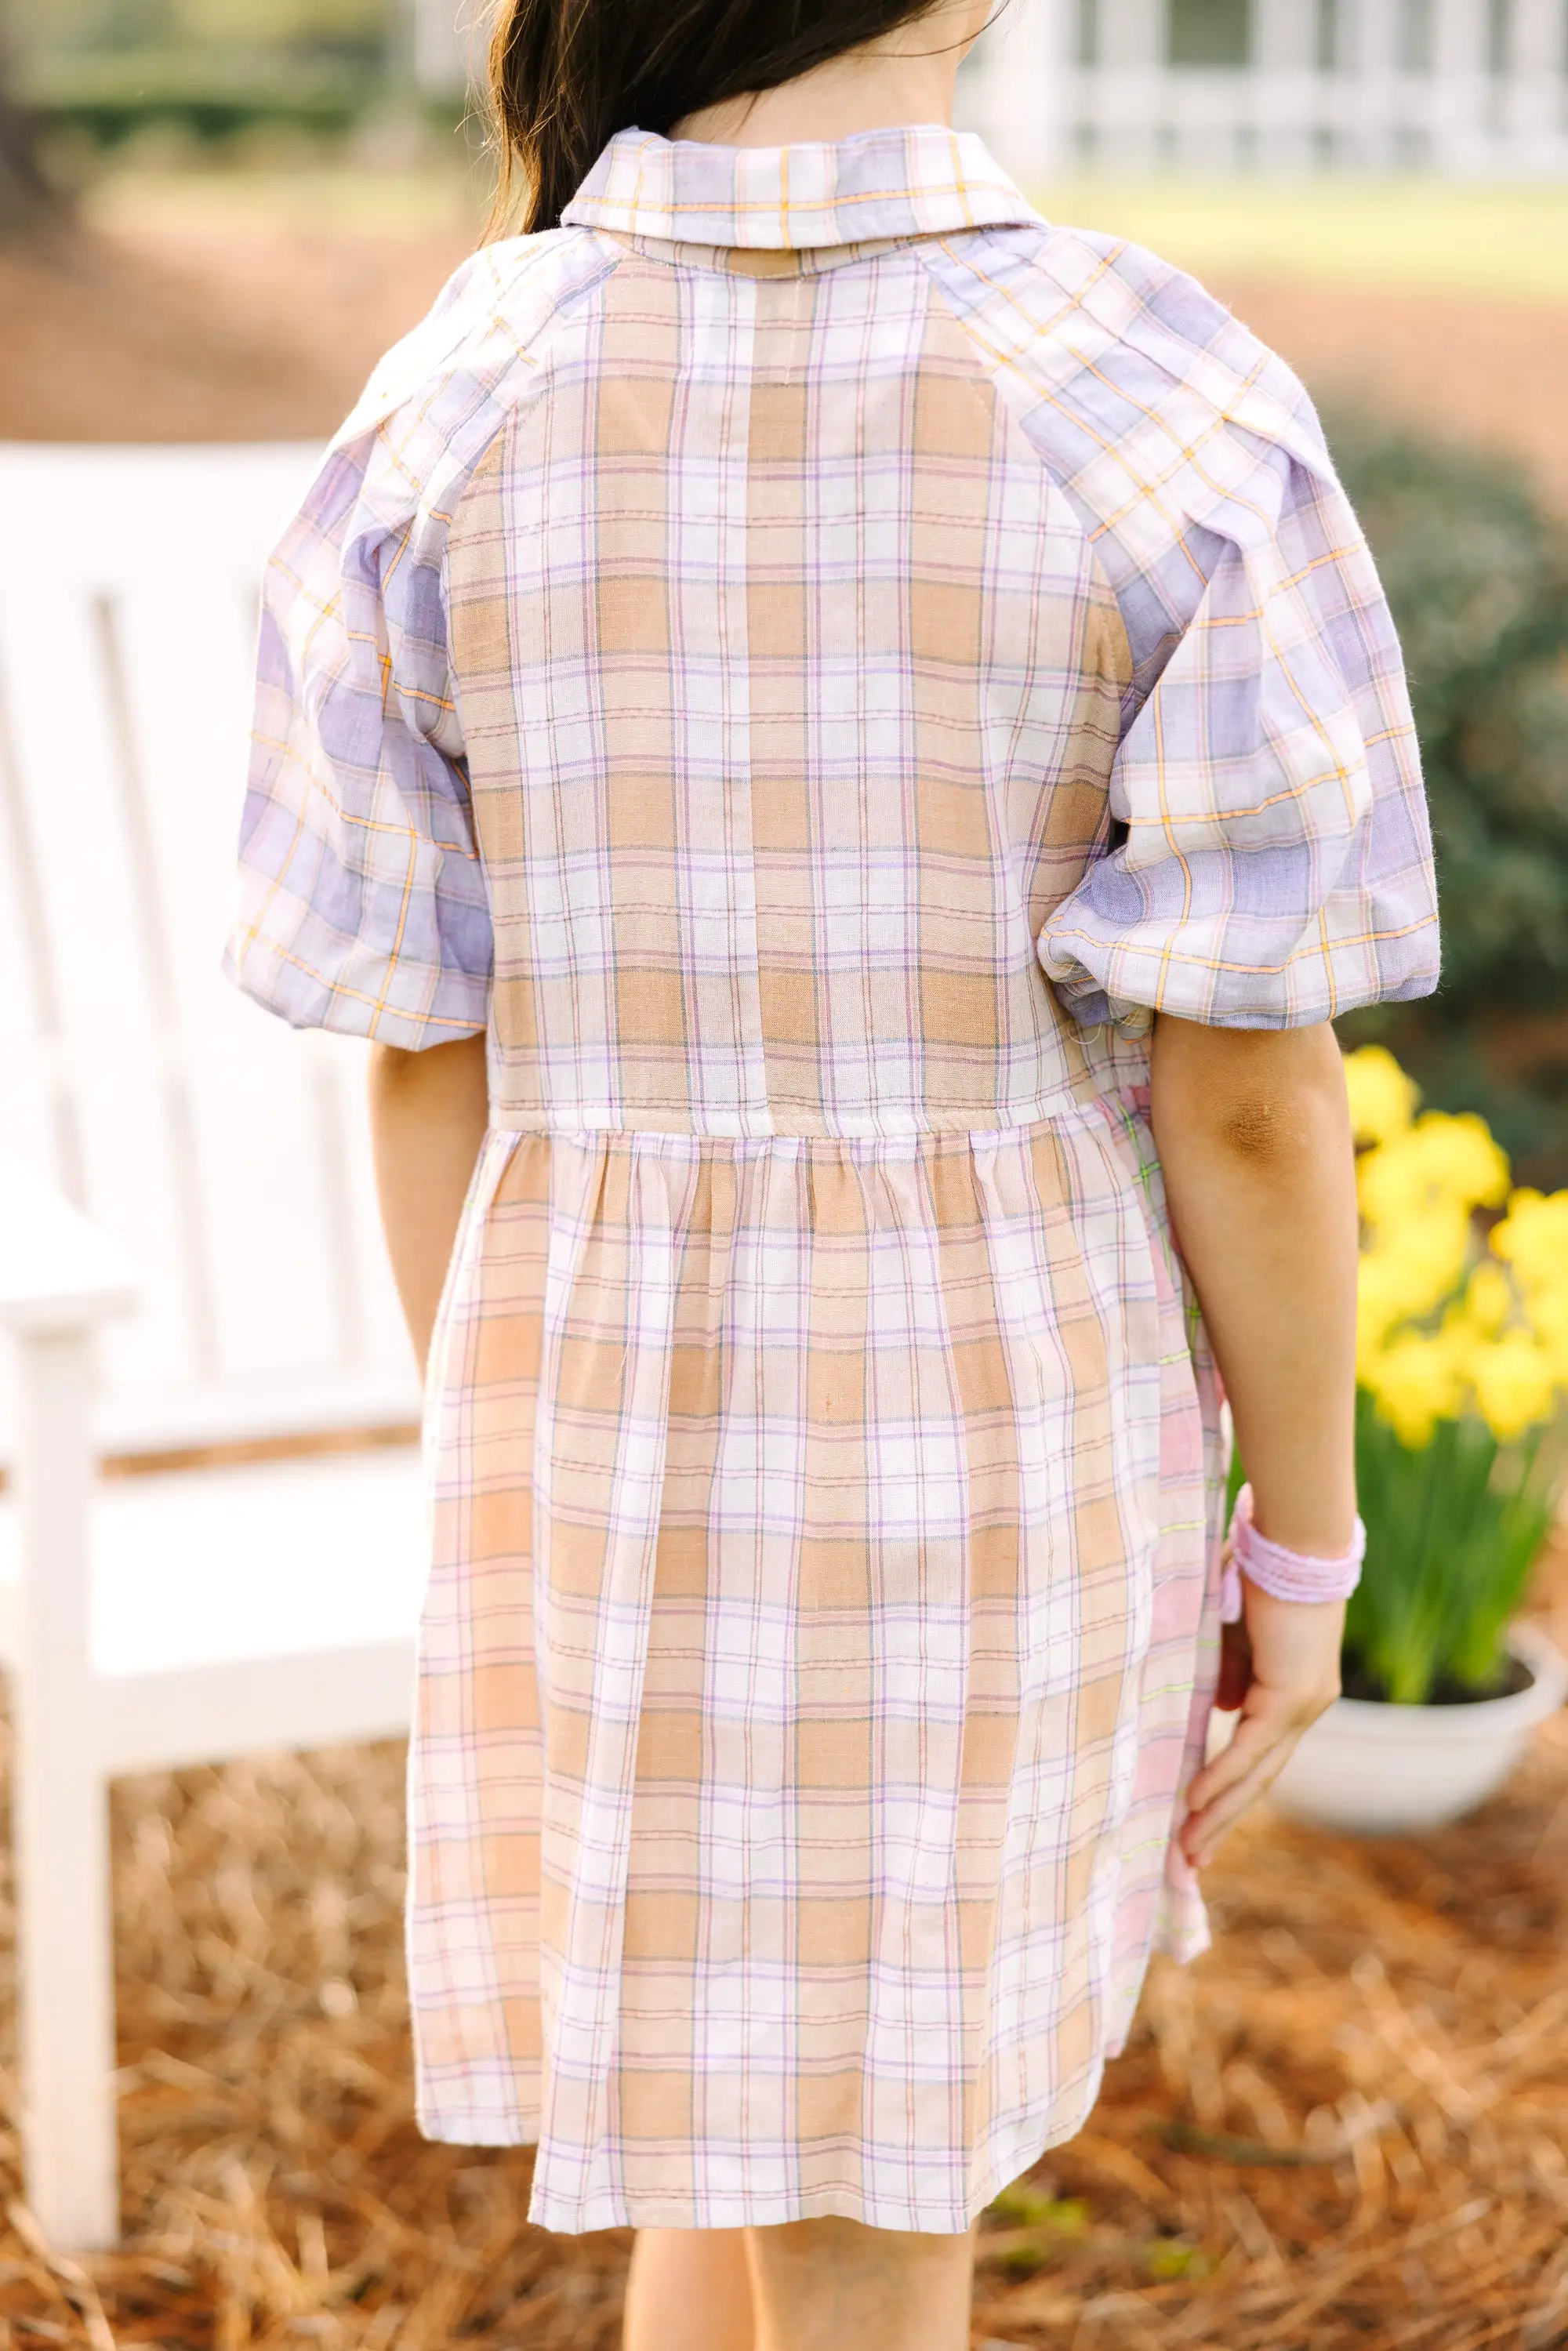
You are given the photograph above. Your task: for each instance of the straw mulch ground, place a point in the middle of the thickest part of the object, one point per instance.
(1347, 2125)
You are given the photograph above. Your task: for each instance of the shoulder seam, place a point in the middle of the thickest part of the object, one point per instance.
(1080, 515)
(371, 414)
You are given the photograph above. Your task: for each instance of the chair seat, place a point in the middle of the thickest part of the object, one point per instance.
(232, 1608)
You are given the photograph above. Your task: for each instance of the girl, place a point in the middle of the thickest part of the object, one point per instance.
(845, 746)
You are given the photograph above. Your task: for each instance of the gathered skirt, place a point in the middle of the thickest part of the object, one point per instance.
(822, 1623)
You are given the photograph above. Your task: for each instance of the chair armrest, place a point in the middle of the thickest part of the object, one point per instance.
(59, 1273)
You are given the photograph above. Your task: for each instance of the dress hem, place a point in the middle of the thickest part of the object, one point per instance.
(565, 2218)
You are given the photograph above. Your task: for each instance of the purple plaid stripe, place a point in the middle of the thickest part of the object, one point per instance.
(808, 656)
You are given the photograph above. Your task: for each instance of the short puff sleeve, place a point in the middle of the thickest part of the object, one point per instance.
(1271, 858)
(362, 901)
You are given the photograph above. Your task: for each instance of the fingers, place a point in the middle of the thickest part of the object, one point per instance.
(1264, 1723)
(1271, 1725)
(1204, 1832)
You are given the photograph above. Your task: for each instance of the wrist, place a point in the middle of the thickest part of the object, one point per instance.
(1292, 1576)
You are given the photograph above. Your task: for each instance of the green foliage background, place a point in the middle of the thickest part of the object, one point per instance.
(216, 66)
(86, 26)
(1477, 572)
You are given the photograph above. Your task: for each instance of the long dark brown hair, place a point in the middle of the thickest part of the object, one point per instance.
(566, 74)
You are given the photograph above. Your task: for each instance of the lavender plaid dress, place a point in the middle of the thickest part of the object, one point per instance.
(805, 656)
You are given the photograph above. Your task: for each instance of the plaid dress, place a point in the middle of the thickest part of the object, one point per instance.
(805, 656)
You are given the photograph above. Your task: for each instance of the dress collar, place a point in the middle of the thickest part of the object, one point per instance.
(924, 181)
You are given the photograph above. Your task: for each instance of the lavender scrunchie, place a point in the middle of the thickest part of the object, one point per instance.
(1283, 1574)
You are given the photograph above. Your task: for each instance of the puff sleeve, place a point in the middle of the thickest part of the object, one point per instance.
(362, 905)
(1271, 859)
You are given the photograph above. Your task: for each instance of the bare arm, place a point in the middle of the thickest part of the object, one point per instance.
(428, 1113)
(1254, 1137)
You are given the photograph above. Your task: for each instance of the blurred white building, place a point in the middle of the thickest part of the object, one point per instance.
(1461, 87)
(1474, 87)
(448, 43)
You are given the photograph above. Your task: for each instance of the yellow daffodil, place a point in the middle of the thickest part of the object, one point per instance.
(1461, 1353)
(1447, 1323)
(1414, 1384)
(1533, 1238)
(1441, 1162)
(1475, 1167)
(1413, 1263)
(1490, 1301)
(1381, 1098)
(1515, 1386)
(1548, 1318)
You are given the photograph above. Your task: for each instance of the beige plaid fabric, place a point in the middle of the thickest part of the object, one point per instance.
(808, 656)
(808, 1666)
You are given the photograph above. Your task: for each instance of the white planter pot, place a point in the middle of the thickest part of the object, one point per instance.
(1381, 1770)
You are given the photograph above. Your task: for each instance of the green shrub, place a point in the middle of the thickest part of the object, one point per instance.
(1477, 572)
(109, 69)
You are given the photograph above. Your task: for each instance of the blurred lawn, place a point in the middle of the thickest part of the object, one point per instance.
(451, 195)
(1413, 237)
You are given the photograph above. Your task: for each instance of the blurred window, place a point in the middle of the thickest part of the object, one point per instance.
(1325, 46)
(1088, 32)
(1211, 32)
(1499, 36)
(1416, 37)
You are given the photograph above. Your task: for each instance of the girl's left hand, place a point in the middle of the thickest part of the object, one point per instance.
(1281, 1668)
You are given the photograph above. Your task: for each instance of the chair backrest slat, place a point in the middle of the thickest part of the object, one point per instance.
(228, 1157)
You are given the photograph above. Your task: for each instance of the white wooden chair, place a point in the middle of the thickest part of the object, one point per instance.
(190, 1258)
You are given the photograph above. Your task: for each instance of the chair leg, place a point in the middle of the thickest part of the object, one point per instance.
(65, 1921)
(65, 1994)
